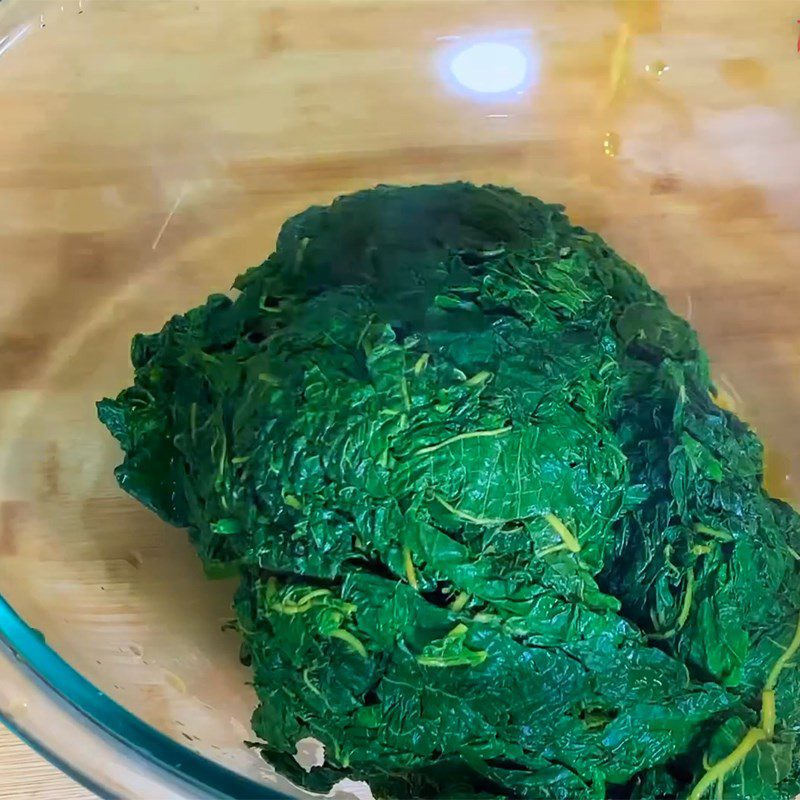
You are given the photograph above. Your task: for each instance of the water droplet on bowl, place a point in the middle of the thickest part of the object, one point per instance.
(611, 144)
(657, 68)
(175, 681)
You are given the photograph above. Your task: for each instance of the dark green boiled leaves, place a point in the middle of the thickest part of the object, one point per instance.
(495, 537)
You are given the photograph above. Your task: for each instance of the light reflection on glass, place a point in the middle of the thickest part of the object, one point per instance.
(7, 42)
(490, 68)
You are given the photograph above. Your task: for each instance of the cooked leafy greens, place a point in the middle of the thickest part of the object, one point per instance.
(495, 536)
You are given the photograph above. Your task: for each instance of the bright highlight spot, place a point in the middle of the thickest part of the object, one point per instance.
(490, 67)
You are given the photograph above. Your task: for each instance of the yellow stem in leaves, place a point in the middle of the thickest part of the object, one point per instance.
(722, 535)
(727, 764)
(754, 735)
(776, 670)
(350, 640)
(686, 607)
(459, 603)
(404, 391)
(768, 712)
(408, 563)
(432, 448)
(469, 517)
(478, 378)
(553, 548)
(572, 544)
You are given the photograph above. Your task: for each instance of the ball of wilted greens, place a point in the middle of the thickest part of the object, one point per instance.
(495, 537)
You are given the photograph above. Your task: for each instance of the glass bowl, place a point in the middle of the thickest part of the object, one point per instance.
(149, 152)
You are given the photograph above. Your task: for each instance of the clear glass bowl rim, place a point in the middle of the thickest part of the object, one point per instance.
(102, 725)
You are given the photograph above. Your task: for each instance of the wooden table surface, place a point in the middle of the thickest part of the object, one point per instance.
(150, 150)
(24, 775)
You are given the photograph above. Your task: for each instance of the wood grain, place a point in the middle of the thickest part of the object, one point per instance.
(150, 150)
(24, 775)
